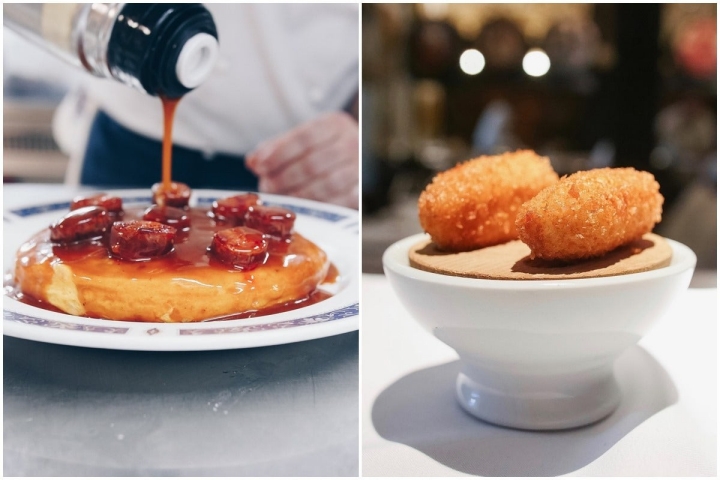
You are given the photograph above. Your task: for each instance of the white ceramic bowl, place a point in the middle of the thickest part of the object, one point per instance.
(537, 354)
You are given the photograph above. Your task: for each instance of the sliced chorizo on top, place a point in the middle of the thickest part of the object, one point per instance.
(141, 239)
(174, 217)
(276, 222)
(111, 203)
(233, 209)
(178, 195)
(81, 224)
(240, 247)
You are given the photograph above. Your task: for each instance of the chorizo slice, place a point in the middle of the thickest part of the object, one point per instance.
(233, 209)
(276, 222)
(174, 217)
(141, 240)
(111, 203)
(240, 247)
(178, 195)
(80, 224)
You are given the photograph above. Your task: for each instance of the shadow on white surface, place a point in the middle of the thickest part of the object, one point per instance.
(420, 410)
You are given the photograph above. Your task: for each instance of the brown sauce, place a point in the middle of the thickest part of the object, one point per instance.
(13, 292)
(169, 107)
(332, 274)
(315, 297)
(189, 259)
(190, 250)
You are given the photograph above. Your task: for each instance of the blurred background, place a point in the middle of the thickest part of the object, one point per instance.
(587, 85)
(34, 84)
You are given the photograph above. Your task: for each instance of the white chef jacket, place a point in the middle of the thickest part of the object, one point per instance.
(279, 65)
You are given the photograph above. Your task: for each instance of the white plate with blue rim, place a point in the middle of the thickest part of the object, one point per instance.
(334, 229)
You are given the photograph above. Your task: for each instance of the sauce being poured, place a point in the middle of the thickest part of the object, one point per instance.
(169, 107)
(188, 262)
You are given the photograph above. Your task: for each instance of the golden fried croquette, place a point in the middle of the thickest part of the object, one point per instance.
(590, 213)
(474, 204)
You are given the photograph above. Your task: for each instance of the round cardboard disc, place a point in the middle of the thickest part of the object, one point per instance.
(511, 261)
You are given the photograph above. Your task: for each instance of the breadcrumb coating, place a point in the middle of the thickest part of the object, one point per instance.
(474, 204)
(590, 213)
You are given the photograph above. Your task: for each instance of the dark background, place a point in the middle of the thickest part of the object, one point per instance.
(628, 85)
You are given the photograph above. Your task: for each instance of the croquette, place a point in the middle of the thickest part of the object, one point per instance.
(590, 213)
(474, 204)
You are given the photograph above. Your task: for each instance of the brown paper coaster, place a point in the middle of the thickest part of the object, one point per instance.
(511, 261)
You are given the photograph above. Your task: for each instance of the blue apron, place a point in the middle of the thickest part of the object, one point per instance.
(120, 158)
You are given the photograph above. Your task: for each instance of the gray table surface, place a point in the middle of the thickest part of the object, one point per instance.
(284, 410)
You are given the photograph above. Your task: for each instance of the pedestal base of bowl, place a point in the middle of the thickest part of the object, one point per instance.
(538, 402)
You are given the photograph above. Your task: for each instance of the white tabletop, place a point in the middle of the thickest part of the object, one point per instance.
(270, 411)
(666, 424)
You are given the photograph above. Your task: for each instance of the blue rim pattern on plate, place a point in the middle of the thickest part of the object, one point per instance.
(41, 322)
(311, 212)
(345, 312)
(338, 314)
(38, 209)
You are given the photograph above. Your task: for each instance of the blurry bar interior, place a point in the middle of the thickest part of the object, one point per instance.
(588, 85)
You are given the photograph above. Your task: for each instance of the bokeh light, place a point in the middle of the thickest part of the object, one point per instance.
(536, 63)
(472, 61)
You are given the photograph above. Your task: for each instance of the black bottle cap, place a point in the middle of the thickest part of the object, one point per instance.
(147, 39)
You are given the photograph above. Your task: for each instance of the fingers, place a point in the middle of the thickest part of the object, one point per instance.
(318, 160)
(278, 153)
(333, 184)
(304, 170)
